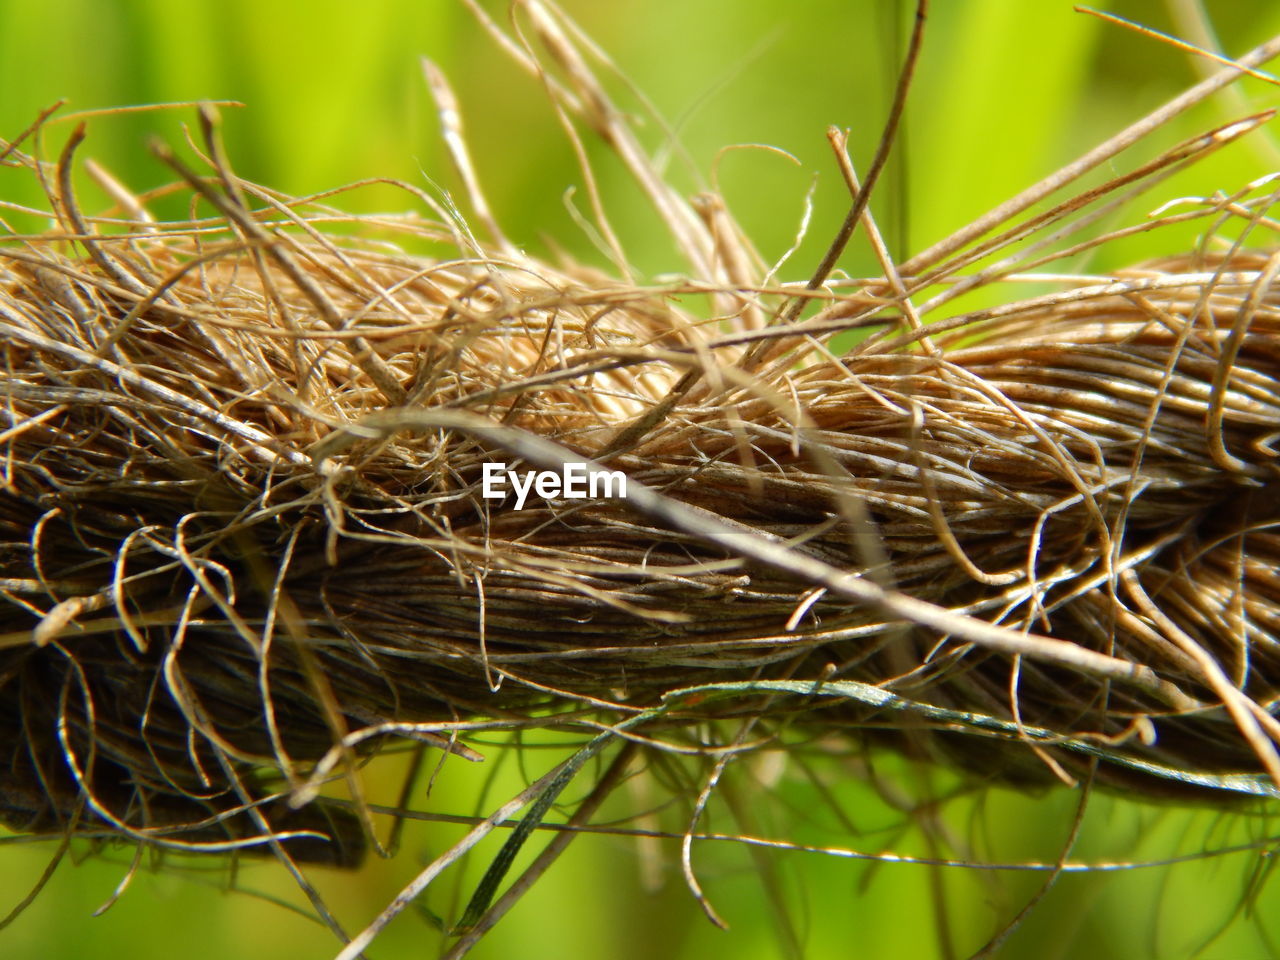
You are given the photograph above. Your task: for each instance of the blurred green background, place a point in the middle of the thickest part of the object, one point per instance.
(1007, 91)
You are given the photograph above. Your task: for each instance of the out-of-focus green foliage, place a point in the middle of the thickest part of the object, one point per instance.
(1007, 91)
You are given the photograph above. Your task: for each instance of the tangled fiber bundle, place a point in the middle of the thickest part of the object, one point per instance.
(245, 536)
